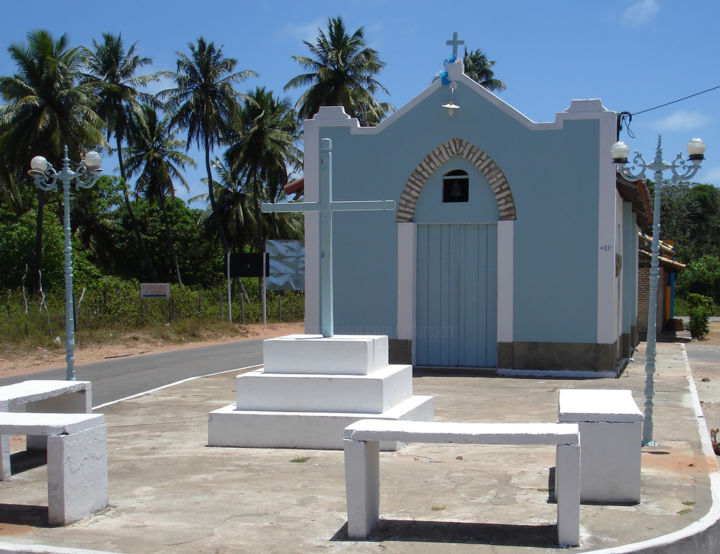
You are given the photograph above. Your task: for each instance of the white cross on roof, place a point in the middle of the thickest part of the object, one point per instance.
(454, 43)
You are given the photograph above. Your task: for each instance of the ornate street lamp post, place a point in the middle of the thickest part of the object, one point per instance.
(681, 171)
(46, 177)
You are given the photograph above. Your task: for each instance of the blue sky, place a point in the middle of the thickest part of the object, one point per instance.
(633, 54)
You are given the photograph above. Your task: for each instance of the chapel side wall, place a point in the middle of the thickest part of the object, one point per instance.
(635, 282)
(644, 298)
(629, 270)
(619, 274)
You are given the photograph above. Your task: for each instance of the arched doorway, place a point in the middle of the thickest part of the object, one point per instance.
(457, 257)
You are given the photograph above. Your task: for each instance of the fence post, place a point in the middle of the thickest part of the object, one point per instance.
(243, 294)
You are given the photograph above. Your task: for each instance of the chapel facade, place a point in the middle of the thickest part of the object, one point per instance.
(511, 245)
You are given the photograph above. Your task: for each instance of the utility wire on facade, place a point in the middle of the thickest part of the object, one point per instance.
(625, 118)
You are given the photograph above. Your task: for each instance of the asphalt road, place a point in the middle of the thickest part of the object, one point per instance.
(702, 353)
(705, 364)
(123, 377)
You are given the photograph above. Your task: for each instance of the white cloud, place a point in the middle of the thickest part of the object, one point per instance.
(711, 176)
(374, 35)
(640, 12)
(162, 83)
(684, 120)
(306, 32)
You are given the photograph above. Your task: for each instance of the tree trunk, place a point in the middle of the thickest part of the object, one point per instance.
(259, 241)
(211, 195)
(133, 222)
(171, 241)
(37, 263)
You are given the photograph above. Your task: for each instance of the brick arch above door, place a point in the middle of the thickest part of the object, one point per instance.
(436, 158)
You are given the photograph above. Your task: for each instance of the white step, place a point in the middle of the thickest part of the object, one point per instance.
(339, 354)
(273, 429)
(373, 393)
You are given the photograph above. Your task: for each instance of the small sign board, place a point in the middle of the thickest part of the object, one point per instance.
(155, 290)
(248, 265)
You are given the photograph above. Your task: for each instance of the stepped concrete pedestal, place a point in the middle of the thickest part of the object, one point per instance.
(311, 388)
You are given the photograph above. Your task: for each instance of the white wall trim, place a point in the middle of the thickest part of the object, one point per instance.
(335, 116)
(607, 302)
(636, 262)
(312, 227)
(406, 280)
(619, 280)
(505, 280)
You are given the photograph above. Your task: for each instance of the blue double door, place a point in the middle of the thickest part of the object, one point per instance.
(456, 304)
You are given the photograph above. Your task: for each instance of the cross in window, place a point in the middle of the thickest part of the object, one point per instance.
(454, 43)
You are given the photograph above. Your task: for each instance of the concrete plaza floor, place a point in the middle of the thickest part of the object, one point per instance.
(169, 492)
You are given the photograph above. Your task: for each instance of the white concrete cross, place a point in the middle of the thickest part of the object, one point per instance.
(454, 43)
(326, 206)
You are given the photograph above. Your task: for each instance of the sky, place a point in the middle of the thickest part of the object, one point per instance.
(632, 54)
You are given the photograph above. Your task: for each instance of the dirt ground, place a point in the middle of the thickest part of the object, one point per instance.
(714, 337)
(19, 363)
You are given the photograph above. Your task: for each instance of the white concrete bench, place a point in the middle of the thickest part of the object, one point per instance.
(76, 460)
(362, 467)
(611, 428)
(47, 396)
(41, 396)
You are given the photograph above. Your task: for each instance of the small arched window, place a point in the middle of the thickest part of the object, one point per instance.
(456, 185)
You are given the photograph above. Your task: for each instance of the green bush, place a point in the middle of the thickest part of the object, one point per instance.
(702, 276)
(17, 250)
(112, 302)
(700, 307)
(681, 307)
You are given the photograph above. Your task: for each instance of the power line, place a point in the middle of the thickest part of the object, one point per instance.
(678, 100)
(625, 118)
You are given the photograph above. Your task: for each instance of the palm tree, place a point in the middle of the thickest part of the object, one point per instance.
(15, 193)
(156, 155)
(479, 69)
(234, 202)
(112, 72)
(48, 108)
(92, 212)
(205, 103)
(341, 73)
(265, 151)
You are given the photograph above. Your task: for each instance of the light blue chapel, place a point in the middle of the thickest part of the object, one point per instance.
(511, 245)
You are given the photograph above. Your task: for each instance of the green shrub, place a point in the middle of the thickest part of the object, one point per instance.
(702, 276)
(681, 307)
(699, 301)
(111, 302)
(700, 307)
